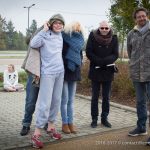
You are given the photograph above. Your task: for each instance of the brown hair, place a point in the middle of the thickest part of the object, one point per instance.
(140, 9)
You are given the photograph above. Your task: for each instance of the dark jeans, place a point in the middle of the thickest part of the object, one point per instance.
(142, 90)
(106, 88)
(31, 98)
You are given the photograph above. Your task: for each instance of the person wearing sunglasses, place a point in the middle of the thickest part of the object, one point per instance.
(102, 52)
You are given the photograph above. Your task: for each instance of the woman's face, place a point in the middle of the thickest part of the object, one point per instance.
(104, 28)
(10, 68)
(57, 26)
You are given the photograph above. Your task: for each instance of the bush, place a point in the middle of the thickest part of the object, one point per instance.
(22, 77)
(121, 86)
(1, 79)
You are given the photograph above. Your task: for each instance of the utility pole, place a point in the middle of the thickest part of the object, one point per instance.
(28, 7)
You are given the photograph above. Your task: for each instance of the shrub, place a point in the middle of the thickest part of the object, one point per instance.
(22, 77)
(122, 84)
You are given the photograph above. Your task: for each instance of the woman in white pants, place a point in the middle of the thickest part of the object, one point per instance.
(11, 80)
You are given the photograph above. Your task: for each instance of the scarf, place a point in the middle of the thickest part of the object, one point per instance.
(75, 42)
(144, 29)
(102, 39)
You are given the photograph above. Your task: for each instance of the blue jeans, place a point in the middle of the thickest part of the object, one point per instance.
(106, 89)
(31, 98)
(142, 90)
(68, 94)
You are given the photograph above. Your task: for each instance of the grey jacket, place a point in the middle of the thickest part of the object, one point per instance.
(32, 61)
(138, 48)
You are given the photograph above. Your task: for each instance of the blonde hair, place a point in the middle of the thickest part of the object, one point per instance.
(74, 27)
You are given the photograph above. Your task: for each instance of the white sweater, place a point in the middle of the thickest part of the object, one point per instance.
(10, 78)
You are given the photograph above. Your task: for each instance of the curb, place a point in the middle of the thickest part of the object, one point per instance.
(126, 108)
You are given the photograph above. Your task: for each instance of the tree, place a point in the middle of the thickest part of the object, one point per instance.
(31, 30)
(121, 17)
(9, 38)
(2, 33)
(21, 42)
(33, 26)
(145, 4)
(10, 35)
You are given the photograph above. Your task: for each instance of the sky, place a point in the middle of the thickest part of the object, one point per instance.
(88, 12)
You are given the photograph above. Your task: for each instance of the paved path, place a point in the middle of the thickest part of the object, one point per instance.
(12, 111)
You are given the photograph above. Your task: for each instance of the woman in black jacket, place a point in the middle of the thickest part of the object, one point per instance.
(102, 51)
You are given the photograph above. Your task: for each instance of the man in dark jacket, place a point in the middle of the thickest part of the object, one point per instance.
(138, 46)
(102, 51)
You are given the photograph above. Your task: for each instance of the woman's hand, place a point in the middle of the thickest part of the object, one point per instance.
(46, 26)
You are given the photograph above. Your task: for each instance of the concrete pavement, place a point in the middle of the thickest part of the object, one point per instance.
(12, 111)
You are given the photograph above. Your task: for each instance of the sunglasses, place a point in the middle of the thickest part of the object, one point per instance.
(102, 28)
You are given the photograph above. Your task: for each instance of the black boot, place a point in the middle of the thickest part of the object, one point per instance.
(24, 131)
(94, 123)
(105, 123)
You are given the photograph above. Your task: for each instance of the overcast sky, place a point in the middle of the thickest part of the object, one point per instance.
(88, 12)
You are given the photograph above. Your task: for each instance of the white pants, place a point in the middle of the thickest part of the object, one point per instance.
(17, 87)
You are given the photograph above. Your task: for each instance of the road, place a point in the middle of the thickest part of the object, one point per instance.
(5, 62)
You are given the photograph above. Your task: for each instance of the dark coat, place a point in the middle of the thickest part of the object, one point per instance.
(70, 75)
(101, 55)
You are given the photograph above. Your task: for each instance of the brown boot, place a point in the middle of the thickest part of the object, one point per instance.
(66, 129)
(72, 128)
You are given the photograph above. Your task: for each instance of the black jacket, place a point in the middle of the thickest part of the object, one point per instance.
(101, 55)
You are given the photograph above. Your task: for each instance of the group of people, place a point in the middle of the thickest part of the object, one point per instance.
(54, 63)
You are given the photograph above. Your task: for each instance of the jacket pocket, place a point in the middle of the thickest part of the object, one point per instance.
(147, 42)
(134, 65)
(147, 64)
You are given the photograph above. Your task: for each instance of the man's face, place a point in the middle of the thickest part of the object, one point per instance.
(141, 18)
(104, 28)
